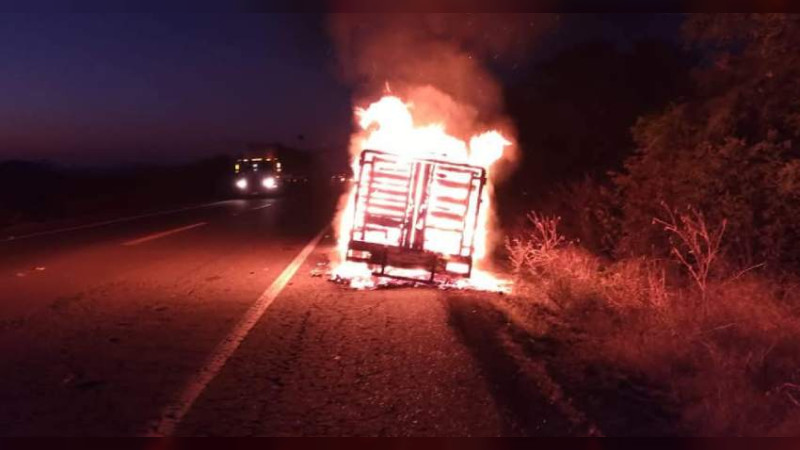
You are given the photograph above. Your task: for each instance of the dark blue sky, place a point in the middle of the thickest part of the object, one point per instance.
(116, 88)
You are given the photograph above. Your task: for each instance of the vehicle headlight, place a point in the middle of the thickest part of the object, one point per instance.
(269, 183)
(241, 183)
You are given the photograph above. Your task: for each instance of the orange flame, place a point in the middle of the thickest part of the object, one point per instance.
(388, 125)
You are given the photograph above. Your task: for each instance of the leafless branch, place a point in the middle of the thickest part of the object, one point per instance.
(698, 246)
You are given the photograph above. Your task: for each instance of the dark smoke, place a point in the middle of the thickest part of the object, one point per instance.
(419, 54)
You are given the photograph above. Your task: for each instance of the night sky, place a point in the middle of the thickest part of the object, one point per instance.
(90, 89)
(115, 88)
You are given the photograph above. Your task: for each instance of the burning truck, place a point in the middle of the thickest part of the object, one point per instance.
(415, 213)
(419, 208)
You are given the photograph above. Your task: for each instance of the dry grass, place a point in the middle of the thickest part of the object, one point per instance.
(727, 355)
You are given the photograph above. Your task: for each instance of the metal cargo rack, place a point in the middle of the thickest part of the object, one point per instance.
(413, 213)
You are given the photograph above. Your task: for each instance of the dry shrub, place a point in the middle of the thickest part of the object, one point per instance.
(698, 243)
(543, 260)
(637, 282)
(536, 247)
(734, 370)
(727, 353)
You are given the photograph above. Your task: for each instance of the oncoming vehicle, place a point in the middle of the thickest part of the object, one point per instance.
(260, 175)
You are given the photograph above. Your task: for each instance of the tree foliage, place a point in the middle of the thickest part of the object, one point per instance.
(731, 148)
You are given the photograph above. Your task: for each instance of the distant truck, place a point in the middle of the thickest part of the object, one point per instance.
(258, 175)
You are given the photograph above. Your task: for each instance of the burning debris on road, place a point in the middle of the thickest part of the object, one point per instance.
(358, 276)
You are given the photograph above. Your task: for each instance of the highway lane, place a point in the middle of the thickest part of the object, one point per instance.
(103, 330)
(104, 335)
(77, 258)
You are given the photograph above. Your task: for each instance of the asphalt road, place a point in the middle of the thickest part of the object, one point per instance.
(141, 327)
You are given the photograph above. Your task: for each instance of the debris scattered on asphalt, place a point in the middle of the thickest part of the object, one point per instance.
(320, 270)
(368, 281)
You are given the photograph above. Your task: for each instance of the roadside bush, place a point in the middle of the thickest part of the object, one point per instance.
(680, 276)
(727, 356)
(730, 369)
(730, 149)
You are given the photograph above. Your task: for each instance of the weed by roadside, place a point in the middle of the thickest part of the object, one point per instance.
(714, 355)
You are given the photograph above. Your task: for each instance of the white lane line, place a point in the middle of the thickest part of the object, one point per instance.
(238, 213)
(174, 413)
(261, 207)
(110, 222)
(161, 234)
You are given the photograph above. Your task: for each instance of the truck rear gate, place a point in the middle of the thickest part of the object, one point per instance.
(413, 213)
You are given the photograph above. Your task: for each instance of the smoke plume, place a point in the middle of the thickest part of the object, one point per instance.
(442, 66)
(438, 62)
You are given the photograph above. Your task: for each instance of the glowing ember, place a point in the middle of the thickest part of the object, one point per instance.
(425, 193)
(357, 275)
(481, 281)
